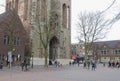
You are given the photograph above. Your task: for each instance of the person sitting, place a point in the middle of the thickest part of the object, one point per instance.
(50, 62)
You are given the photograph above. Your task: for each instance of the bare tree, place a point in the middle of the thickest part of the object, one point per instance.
(116, 17)
(45, 20)
(92, 27)
(106, 9)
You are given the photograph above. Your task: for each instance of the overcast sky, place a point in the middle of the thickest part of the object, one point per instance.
(2, 6)
(90, 6)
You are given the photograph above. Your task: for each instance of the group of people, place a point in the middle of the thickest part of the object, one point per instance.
(114, 64)
(76, 60)
(24, 64)
(88, 64)
(56, 63)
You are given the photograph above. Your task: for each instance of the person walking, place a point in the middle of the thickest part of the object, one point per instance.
(1, 65)
(22, 65)
(26, 63)
(117, 64)
(93, 65)
(88, 64)
(84, 64)
(78, 60)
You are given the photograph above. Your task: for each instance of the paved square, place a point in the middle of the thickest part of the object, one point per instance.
(64, 73)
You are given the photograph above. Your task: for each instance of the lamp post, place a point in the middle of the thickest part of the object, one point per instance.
(32, 60)
(10, 58)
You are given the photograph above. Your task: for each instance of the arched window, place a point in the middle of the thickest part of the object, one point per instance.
(16, 5)
(13, 4)
(64, 16)
(6, 40)
(25, 9)
(10, 5)
(68, 17)
(16, 41)
(7, 6)
(56, 20)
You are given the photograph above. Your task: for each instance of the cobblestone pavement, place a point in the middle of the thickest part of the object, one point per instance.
(64, 73)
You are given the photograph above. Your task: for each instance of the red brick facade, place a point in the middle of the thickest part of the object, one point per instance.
(107, 50)
(10, 23)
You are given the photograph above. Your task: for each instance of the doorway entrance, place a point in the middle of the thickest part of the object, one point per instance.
(53, 50)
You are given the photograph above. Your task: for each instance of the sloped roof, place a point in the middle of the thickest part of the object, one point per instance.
(10, 17)
(110, 44)
(4, 16)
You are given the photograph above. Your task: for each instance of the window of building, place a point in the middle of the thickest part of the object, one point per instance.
(16, 5)
(17, 41)
(119, 51)
(105, 52)
(6, 40)
(113, 51)
(25, 9)
(116, 51)
(64, 17)
(56, 18)
(68, 16)
(12, 3)
(9, 5)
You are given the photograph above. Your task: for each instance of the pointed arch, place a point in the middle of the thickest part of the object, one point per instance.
(16, 5)
(25, 9)
(64, 15)
(53, 48)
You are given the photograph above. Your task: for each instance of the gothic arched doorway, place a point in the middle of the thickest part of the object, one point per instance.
(53, 49)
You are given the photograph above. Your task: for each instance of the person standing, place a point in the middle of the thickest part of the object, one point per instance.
(88, 64)
(1, 65)
(26, 64)
(22, 65)
(93, 65)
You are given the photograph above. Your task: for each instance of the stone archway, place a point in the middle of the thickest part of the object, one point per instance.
(53, 49)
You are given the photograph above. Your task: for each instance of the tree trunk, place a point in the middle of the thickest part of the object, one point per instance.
(46, 58)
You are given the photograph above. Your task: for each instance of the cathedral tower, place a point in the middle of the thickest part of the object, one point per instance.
(59, 45)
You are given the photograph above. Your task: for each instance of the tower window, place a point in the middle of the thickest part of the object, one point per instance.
(64, 17)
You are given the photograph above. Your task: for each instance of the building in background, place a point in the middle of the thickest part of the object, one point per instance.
(107, 50)
(103, 51)
(78, 49)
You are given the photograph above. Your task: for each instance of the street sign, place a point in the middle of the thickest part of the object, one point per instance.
(9, 56)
